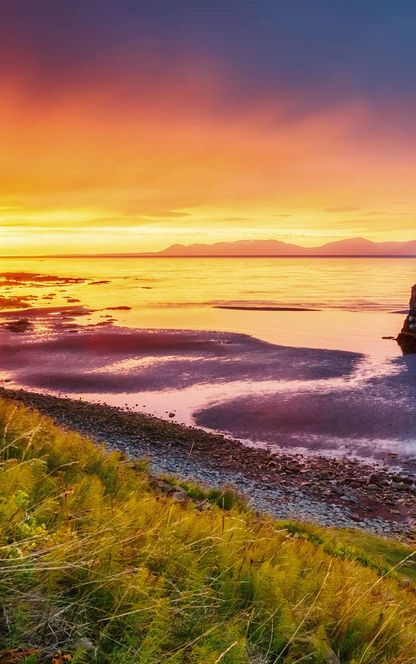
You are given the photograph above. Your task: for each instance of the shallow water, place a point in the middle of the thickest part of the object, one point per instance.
(355, 297)
(350, 306)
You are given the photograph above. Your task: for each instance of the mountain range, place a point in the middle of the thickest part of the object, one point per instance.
(349, 247)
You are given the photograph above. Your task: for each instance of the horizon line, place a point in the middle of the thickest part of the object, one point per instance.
(167, 256)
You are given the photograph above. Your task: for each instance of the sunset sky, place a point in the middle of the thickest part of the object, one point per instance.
(130, 125)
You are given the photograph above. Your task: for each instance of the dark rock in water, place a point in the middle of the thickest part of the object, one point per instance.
(407, 337)
(407, 342)
(120, 308)
(20, 325)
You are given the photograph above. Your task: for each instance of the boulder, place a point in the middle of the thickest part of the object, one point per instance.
(407, 337)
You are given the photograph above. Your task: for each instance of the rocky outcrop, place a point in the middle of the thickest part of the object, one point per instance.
(407, 337)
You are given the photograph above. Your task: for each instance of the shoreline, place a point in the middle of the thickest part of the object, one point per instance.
(329, 491)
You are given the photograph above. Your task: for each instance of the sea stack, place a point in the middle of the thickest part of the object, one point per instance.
(407, 337)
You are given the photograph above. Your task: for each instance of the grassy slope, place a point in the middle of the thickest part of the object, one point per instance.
(98, 561)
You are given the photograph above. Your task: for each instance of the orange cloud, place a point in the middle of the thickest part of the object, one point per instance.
(180, 156)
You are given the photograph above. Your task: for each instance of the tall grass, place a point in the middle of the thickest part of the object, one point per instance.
(99, 564)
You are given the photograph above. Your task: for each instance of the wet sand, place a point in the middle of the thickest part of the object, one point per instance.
(369, 417)
(261, 307)
(91, 359)
(298, 399)
(326, 435)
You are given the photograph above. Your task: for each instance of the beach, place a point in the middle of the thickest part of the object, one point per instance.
(324, 490)
(310, 429)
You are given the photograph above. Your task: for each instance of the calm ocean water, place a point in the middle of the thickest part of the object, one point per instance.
(355, 297)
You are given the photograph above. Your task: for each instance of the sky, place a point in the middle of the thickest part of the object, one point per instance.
(130, 125)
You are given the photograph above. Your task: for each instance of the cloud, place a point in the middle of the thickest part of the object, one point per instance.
(376, 213)
(347, 208)
(388, 213)
(163, 214)
(186, 157)
(235, 219)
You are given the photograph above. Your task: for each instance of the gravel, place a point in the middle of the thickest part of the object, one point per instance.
(323, 490)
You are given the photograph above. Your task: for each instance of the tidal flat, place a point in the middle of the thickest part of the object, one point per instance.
(321, 433)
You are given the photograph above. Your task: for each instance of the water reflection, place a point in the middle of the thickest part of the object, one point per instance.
(76, 345)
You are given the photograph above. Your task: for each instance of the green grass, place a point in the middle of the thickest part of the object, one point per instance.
(99, 562)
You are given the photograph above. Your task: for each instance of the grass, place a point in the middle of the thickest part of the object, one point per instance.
(100, 562)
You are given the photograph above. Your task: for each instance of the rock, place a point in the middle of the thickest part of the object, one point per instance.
(377, 478)
(407, 337)
(20, 325)
(120, 308)
(164, 486)
(180, 496)
(352, 498)
(203, 506)
(353, 483)
(172, 415)
(331, 658)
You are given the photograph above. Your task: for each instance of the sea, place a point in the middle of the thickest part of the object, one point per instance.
(355, 305)
(337, 303)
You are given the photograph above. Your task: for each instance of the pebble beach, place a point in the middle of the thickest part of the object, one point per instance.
(331, 492)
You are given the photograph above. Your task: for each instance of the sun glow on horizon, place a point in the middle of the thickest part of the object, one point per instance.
(144, 154)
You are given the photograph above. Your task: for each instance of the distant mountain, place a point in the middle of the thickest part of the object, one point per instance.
(357, 246)
(238, 248)
(351, 247)
(361, 247)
